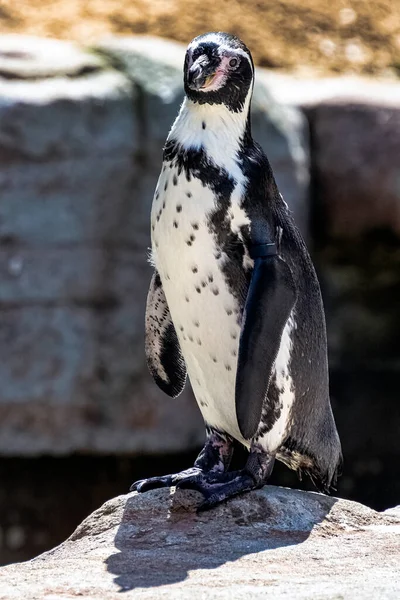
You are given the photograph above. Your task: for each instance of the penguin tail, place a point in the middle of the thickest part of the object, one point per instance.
(323, 469)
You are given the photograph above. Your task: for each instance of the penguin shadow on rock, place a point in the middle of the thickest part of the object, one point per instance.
(162, 539)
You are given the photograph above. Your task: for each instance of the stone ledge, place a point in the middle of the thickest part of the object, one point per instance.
(29, 57)
(275, 541)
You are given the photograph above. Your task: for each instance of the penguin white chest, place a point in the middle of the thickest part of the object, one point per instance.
(205, 313)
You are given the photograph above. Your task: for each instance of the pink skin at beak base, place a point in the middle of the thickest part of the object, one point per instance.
(219, 77)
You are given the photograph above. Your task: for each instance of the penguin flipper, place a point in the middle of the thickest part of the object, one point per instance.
(163, 352)
(270, 299)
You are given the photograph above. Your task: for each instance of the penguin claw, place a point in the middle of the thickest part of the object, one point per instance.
(219, 487)
(152, 483)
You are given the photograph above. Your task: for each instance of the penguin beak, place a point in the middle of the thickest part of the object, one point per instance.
(200, 74)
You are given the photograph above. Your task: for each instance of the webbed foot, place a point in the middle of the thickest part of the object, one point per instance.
(215, 457)
(217, 488)
(215, 485)
(152, 483)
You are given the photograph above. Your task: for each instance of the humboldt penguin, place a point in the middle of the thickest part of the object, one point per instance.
(234, 301)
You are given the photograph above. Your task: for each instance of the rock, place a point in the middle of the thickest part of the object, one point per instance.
(28, 57)
(76, 193)
(283, 542)
(55, 119)
(355, 130)
(357, 172)
(74, 380)
(309, 92)
(155, 66)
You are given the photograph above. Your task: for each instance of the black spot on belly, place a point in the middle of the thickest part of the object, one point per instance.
(229, 311)
(192, 237)
(187, 298)
(197, 164)
(163, 204)
(228, 367)
(190, 337)
(189, 194)
(176, 224)
(234, 335)
(213, 358)
(178, 208)
(215, 290)
(166, 186)
(196, 323)
(195, 226)
(157, 195)
(203, 284)
(210, 278)
(175, 180)
(189, 243)
(198, 341)
(198, 290)
(194, 269)
(203, 124)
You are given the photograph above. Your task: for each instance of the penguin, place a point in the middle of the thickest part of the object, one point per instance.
(234, 301)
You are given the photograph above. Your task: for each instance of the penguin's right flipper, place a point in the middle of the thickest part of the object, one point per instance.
(270, 300)
(163, 352)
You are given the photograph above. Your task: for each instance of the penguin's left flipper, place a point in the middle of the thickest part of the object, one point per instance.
(163, 352)
(270, 300)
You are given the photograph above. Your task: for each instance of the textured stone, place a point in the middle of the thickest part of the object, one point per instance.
(76, 192)
(91, 200)
(307, 92)
(357, 169)
(74, 379)
(155, 65)
(355, 127)
(28, 57)
(275, 541)
(52, 119)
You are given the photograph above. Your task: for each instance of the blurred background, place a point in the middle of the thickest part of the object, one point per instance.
(81, 131)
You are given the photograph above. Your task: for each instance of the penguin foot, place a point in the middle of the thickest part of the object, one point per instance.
(217, 487)
(215, 457)
(152, 483)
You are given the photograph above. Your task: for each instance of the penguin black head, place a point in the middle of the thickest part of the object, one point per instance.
(218, 69)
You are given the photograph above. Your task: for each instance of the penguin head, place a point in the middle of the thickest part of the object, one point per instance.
(218, 69)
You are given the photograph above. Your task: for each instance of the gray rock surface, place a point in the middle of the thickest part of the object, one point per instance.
(29, 57)
(357, 166)
(75, 200)
(355, 126)
(274, 542)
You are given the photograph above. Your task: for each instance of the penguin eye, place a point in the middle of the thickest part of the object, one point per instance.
(233, 62)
